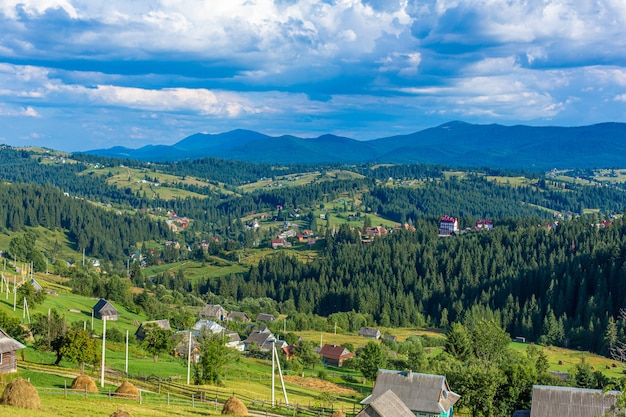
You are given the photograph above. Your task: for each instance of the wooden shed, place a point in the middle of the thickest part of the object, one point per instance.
(103, 309)
(8, 353)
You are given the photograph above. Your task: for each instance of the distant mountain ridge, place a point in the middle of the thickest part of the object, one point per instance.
(455, 143)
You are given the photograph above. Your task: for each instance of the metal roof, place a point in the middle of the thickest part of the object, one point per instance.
(420, 392)
(551, 401)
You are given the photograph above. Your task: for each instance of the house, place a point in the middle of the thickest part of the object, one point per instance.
(234, 341)
(104, 310)
(370, 333)
(262, 317)
(260, 339)
(8, 353)
(264, 339)
(484, 224)
(238, 316)
(387, 404)
(278, 243)
(570, 402)
(213, 311)
(448, 226)
(206, 325)
(424, 394)
(140, 334)
(288, 351)
(375, 231)
(182, 348)
(391, 338)
(334, 355)
(37, 286)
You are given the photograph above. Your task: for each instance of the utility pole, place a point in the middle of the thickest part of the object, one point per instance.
(104, 341)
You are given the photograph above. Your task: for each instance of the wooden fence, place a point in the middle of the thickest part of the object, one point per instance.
(163, 392)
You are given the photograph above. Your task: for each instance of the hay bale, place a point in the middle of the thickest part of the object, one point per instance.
(20, 393)
(235, 407)
(338, 414)
(121, 413)
(127, 390)
(84, 383)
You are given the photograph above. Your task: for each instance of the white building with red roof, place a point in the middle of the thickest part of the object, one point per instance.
(448, 225)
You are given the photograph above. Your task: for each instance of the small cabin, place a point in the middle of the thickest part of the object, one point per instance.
(8, 353)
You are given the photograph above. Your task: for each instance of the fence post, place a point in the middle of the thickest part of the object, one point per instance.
(85, 391)
(65, 388)
(193, 401)
(140, 398)
(168, 398)
(109, 394)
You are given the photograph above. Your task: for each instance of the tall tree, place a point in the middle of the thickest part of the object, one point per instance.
(370, 359)
(78, 346)
(157, 340)
(214, 356)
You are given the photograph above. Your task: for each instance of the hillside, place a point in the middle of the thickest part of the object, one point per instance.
(453, 144)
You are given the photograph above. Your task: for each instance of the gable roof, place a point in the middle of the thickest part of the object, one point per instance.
(387, 404)
(369, 331)
(8, 344)
(420, 392)
(213, 310)
(335, 352)
(103, 305)
(237, 315)
(571, 402)
(259, 338)
(163, 324)
(265, 317)
(209, 325)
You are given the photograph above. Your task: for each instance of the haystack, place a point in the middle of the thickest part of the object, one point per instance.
(338, 414)
(84, 383)
(20, 393)
(121, 413)
(127, 390)
(235, 407)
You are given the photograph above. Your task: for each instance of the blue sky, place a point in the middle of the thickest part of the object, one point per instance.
(85, 74)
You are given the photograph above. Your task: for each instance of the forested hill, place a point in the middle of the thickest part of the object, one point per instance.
(453, 144)
(552, 268)
(562, 286)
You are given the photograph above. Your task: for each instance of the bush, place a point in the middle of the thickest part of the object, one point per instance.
(322, 374)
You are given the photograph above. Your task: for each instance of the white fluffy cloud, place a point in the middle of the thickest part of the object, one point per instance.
(322, 64)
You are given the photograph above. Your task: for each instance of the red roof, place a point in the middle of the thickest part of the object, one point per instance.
(448, 219)
(335, 352)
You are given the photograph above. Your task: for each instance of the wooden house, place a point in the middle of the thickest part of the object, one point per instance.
(263, 339)
(265, 317)
(213, 311)
(104, 309)
(555, 401)
(238, 316)
(387, 404)
(208, 326)
(8, 353)
(182, 347)
(424, 394)
(370, 332)
(334, 355)
(140, 334)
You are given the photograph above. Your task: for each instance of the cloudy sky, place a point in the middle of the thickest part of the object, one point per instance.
(86, 74)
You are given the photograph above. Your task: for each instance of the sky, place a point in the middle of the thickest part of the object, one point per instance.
(87, 74)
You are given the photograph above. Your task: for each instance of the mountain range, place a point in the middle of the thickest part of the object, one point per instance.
(454, 144)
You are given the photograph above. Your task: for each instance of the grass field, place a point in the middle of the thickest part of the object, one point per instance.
(135, 179)
(58, 406)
